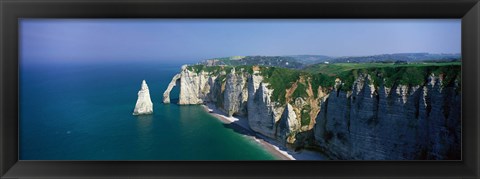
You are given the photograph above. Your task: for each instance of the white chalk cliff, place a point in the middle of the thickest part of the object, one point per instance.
(360, 119)
(144, 103)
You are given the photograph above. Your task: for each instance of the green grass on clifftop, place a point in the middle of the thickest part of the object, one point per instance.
(215, 70)
(404, 73)
(337, 68)
(280, 79)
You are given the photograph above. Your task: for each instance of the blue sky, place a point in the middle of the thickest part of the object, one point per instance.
(189, 40)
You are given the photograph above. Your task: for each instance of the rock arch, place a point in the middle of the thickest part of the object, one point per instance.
(173, 83)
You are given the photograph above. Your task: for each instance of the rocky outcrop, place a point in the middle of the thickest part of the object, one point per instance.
(193, 86)
(261, 111)
(173, 83)
(144, 104)
(364, 120)
(288, 125)
(236, 94)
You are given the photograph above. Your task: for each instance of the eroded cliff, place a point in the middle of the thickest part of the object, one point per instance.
(360, 114)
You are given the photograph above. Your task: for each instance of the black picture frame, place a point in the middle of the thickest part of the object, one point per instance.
(467, 10)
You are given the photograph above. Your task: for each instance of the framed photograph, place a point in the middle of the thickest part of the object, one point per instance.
(240, 89)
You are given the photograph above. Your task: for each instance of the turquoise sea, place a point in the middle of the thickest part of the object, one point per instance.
(84, 112)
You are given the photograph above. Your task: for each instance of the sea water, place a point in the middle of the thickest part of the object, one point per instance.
(84, 112)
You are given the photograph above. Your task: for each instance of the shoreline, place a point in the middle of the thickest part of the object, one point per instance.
(241, 124)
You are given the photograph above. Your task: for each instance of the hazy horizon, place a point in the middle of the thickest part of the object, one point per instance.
(192, 40)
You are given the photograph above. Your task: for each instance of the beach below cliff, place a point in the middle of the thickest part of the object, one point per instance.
(240, 125)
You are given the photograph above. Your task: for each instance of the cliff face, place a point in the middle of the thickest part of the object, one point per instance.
(262, 113)
(364, 120)
(193, 87)
(235, 95)
(241, 93)
(404, 122)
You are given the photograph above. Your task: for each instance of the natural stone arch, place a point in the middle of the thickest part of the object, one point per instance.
(173, 83)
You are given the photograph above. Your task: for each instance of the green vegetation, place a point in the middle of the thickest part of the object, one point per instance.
(217, 69)
(300, 91)
(305, 118)
(336, 68)
(320, 79)
(450, 73)
(392, 73)
(347, 78)
(412, 76)
(279, 79)
(210, 69)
